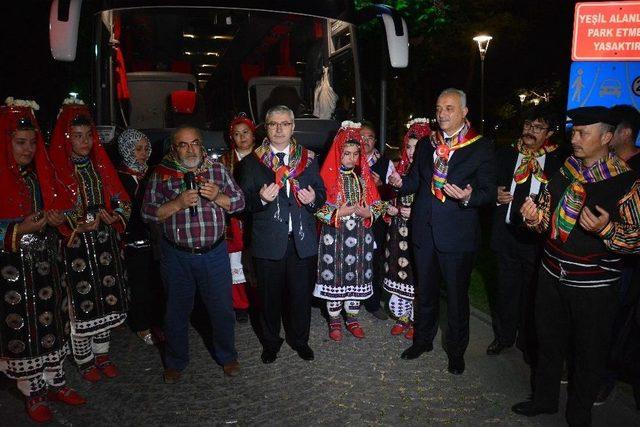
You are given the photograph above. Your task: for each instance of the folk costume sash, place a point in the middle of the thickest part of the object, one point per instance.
(465, 137)
(566, 213)
(530, 165)
(171, 167)
(299, 159)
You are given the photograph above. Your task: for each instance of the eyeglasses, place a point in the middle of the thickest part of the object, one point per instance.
(534, 128)
(184, 145)
(275, 125)
(369, 138)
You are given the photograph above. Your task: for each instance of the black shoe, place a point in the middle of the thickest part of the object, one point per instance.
(305, 352)
(528, 409)
(269, 356)
(379, 314)
(496, 348)
(242, 316)
(415, 351)
(456, 366)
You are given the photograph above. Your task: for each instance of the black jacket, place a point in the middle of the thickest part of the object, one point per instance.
(455, 227)
(505, 236)
(269, 235)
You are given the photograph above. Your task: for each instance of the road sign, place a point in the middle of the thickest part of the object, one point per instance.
(604, 83)
(606, 31)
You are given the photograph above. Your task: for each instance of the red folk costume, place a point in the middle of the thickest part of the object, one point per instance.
(60, 152)
(18, 201)
(235, 234)
(398, 272)
(332, 172)
(33, 335)
(93, 259)
(345, 250)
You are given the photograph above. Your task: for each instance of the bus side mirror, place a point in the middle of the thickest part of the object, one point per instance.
(395, 29)
(398, 44)
(64, 19)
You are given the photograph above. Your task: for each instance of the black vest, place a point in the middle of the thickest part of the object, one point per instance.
(584, 260)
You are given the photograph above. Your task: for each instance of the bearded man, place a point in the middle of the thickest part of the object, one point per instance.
(194, 250)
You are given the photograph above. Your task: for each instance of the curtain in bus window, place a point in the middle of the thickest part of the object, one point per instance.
(122, 86)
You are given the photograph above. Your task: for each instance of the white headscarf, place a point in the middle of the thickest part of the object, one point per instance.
(127, 148)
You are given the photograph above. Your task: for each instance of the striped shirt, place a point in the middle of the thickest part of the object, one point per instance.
(208, 225)
(621, 236)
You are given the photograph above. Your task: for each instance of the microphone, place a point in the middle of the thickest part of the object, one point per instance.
(190, 182)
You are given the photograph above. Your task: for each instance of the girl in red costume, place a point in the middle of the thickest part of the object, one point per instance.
(345, 250)
(34, 325)
(92, 251)
(398, 278)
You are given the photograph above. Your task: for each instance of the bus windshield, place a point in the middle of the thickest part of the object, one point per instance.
(236, 61)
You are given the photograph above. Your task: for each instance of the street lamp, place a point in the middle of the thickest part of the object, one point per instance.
(522, 97)
(483, 44)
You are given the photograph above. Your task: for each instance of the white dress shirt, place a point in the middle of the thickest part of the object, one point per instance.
(534, 185)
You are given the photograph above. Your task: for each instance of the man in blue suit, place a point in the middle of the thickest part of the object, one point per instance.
(453, 176)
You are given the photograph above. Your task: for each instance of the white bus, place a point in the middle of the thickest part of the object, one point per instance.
(162, 63)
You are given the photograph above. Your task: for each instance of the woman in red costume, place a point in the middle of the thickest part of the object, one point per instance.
(92, 251)
(34, 324)
(242, 136)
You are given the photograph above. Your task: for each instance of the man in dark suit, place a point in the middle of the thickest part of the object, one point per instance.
(523, 169)
(283, 189)
(453, 175)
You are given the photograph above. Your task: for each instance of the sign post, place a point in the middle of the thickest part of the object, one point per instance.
(606, 31)
(606, 55)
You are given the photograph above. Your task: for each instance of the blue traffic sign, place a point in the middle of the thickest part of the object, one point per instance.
(604, 83)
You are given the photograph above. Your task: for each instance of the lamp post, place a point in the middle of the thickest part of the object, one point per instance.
(483, 44)
(522, 97)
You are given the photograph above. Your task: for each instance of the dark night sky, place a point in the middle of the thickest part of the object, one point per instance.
(27, 70)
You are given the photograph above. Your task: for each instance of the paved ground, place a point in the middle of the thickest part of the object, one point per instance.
(350, 383)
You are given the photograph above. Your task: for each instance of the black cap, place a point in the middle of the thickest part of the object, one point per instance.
(589, 115)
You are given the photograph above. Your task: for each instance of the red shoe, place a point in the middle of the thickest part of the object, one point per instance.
(92, 374)
(107, 367)
(66, 395)
(38, 409)
(355, 329)
(409, 334)
(335, 332)
(399, 328)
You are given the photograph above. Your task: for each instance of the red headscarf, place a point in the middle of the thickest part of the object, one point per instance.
(229, 159)
(61, 149)
(17, 200)
(241, 119)
(330, 171)
(418, 129)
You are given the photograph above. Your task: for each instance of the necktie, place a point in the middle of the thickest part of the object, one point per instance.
(279, 177)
